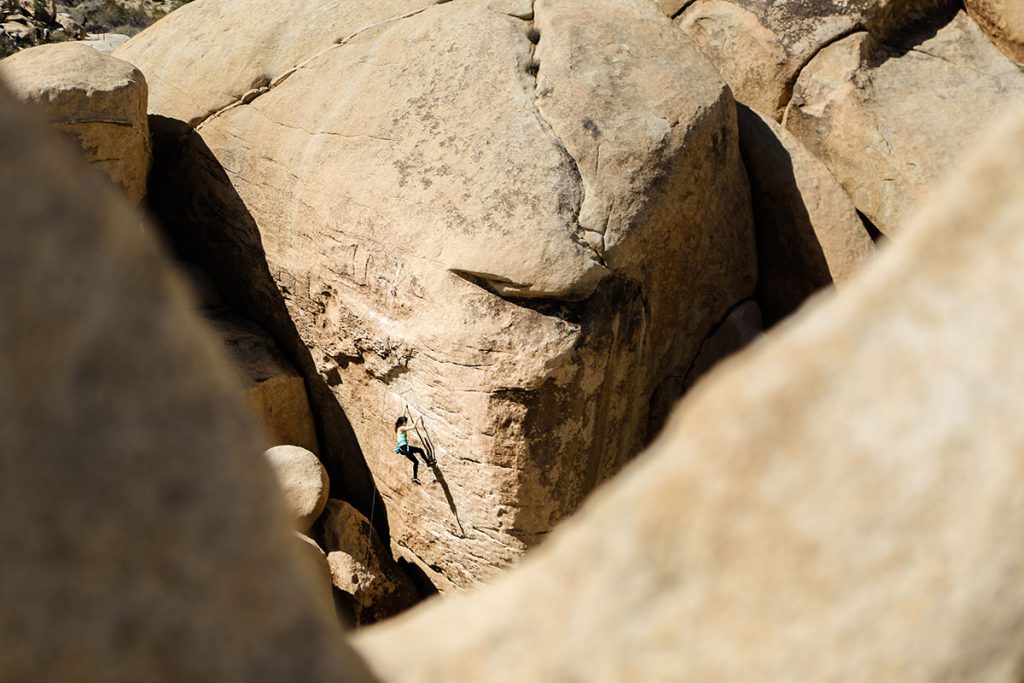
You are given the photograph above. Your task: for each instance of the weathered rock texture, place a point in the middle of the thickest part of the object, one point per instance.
(742, 326)
(841, 503)
(142, 538)
(1003, 21)
(760, 46)
(303, 480)
(361, 565)
(888, 121)
(97, 100)
(808, 233)
(519, 228)
(274, 388)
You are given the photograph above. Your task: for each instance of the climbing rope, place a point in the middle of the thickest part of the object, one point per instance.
(369, 529)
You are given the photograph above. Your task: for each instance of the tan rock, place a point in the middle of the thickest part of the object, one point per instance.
(142, 542)
(275, 390)
(303, 480)
(99, 101)
(317, 560)
(835, 504)
(888, 122)
(362, 566)
(1003, 21)
(760, 46)
(454, 225)
(260, 48)
(808, 233)
(743, 325)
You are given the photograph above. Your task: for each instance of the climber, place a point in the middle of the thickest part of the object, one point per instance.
(402, 429)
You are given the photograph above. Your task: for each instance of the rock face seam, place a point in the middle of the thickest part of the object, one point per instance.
(791, 83)
(533, 69)
(250, 96)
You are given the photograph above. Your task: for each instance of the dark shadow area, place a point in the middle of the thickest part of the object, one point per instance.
(424, 586)
(208, 225)
(791, 263)
(872, 230)
(439, 475)
(898, 30)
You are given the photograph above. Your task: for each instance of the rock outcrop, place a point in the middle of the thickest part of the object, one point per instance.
(142, 538)
(275, 390)
(519, 228)
(808, 233)
(303, 480)
(840, 502)
(1003, 21)
(361, 566)
(760, 46)
(97, 100)
(888, 121)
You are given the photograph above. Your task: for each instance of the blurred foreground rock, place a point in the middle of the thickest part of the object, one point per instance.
(143, 539)
(841, 502)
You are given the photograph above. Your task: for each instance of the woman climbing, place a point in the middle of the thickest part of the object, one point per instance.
(402, 429)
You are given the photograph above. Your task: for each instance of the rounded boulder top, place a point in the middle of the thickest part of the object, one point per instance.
(57, 67)
(303, 480)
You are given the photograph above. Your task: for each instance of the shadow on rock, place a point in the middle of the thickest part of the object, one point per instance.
(208, 225)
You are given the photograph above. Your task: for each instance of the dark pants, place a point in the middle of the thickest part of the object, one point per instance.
(410, 452)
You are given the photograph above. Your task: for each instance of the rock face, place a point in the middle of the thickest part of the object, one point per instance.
(760, 46)
(522, 231)
(142, 541)
(829, 491)
(97, 100)
(361, 565)
(274, 388)
(303, 480)
(888, 121)
(808, 233)
(1003, 21)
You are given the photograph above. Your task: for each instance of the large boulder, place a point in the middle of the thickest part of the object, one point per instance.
(303, 480)
(1003, 21)
(888, 121)
(839, 503)
(97, 100)
(520, 229)
(808, 233)
(760, 46)
(361, 565)
(142, 540)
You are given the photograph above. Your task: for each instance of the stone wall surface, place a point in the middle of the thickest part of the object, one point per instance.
(515, 221)
(840, 502)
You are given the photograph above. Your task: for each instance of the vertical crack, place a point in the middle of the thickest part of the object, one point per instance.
(533, 34)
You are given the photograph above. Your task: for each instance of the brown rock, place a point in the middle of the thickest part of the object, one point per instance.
(361, 565)
(475, 232)
(97, 100)
(261, 48)
(808, 233)
(1003, 21)
(839, 503)
(742, 326)
(303, 480)
(888, 122)
(142, 542)
(760, 46)
(274, 389)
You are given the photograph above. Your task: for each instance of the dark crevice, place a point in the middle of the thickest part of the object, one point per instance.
(873, 232)
(682, 9)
